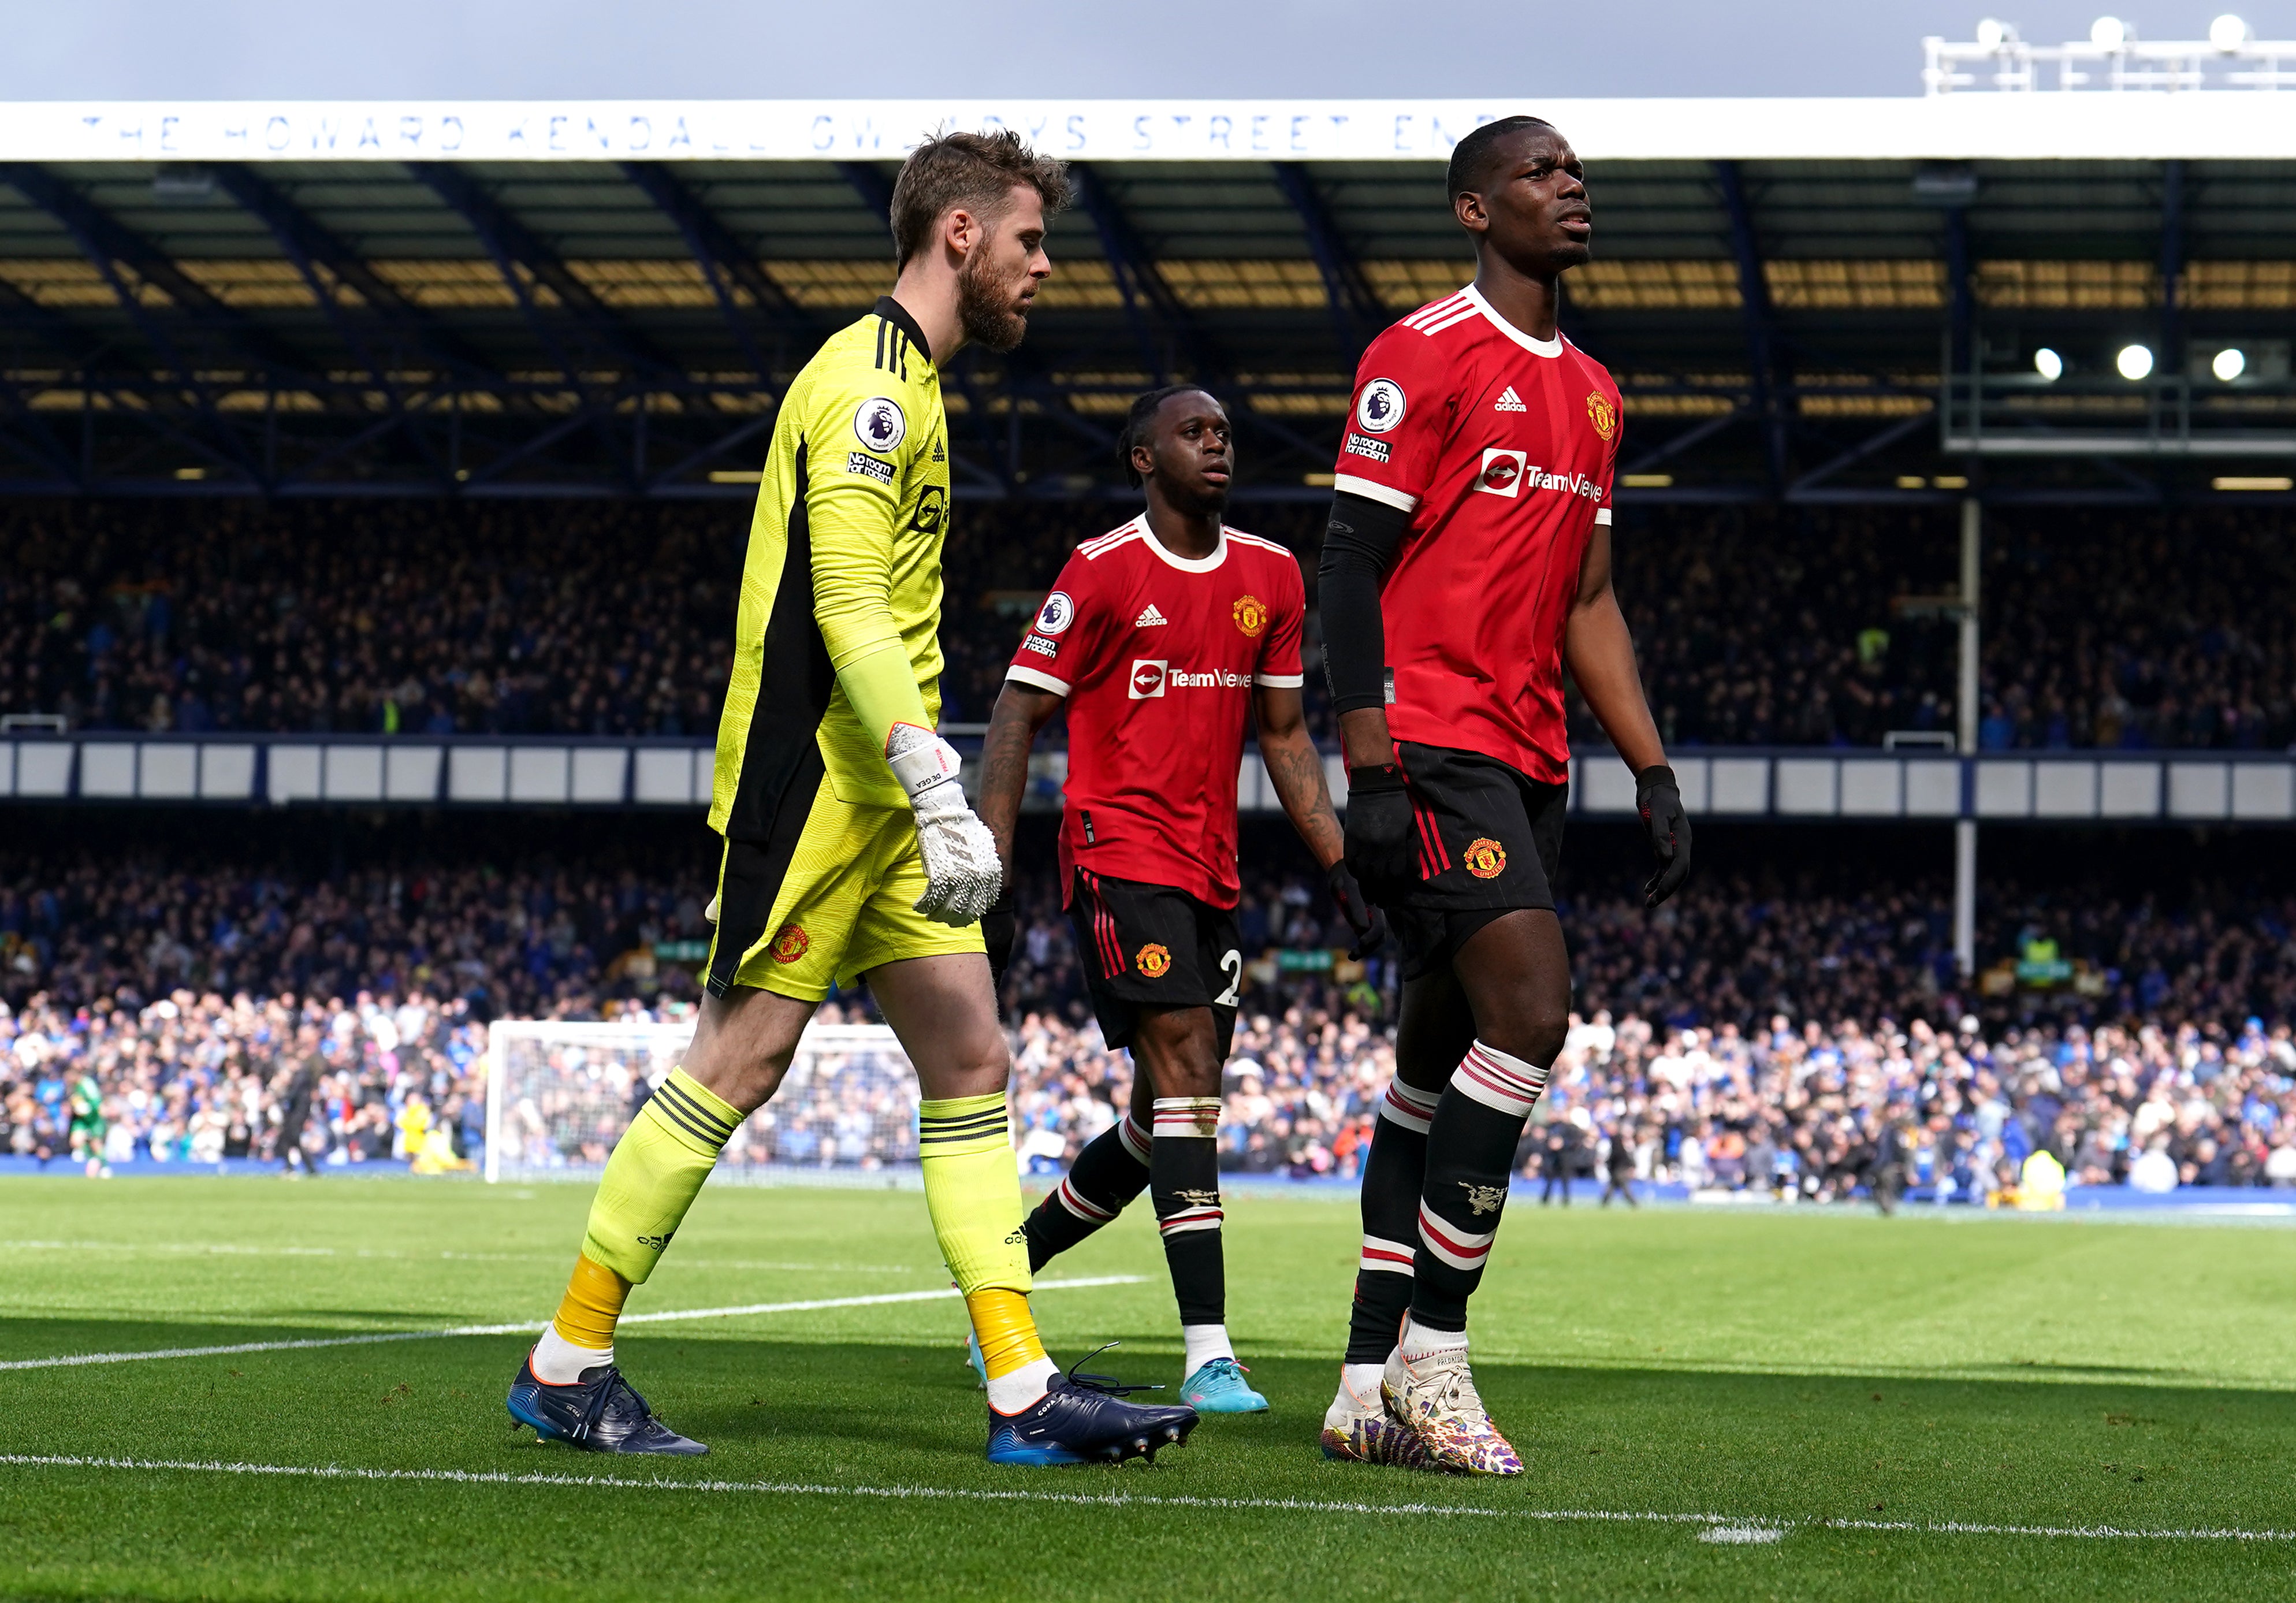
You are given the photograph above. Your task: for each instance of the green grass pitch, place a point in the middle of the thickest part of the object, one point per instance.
(1836, 1391)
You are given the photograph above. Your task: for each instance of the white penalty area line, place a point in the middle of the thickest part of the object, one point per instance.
(1716, 1527)
(532, 1327)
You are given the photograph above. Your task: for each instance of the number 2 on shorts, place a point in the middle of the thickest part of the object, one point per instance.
(1231, 965)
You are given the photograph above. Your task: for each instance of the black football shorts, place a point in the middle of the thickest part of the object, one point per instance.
(1488, 839)
(1151, 946)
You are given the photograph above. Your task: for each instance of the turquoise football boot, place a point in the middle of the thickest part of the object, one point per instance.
(1219, 1387)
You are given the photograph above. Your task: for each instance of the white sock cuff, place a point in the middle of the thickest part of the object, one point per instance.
(1461, 1249)
(1198, 1216)
(1075, 1202)
(1380, 1256)
(1134, 1138)
(1419, 1340)
(557, 1362)
(1023, 1388)
(1410, 1109)
(1500, 1081)
(1187, 1118)
(1203, 1344)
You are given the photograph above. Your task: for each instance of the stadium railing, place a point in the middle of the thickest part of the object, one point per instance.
(489, 770)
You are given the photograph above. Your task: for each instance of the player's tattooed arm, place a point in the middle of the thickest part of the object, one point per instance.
(1600, 655)
(1296, 769)
(1021, 711)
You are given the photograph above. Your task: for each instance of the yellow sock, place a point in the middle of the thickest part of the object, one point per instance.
(592, 1304)
(1005, 1329)
(657, 1169)
(972, 1190)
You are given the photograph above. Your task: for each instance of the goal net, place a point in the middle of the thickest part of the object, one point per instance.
(560, 1094)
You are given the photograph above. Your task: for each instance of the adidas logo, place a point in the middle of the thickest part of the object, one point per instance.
(1149, 618)
(939, 454)
(1509, 402)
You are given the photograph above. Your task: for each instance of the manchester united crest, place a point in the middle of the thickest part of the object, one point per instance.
(1153, 960)
(1250, 616)
(1483, 1199)
(1486, 859)
(1603, 414)
(791, 944)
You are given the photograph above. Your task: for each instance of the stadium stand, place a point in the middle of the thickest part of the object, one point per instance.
(1760, 1030)
(1755, 626)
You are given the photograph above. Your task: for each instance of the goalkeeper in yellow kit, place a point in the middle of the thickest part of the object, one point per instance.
(849, 847)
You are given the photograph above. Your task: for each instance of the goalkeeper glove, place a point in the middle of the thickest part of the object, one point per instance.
(1659, 800)
(962, 873)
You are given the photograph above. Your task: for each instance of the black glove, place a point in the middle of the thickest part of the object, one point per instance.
(1368, 923)
(1379, 836)
(998, 925)
(1659, 800)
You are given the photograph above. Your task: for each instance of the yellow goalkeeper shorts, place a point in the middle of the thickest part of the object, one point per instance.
(826, 901)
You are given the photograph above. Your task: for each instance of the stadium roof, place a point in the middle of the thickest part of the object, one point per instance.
(1779, 306)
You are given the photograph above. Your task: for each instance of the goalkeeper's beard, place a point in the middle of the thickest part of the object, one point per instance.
(985, 307)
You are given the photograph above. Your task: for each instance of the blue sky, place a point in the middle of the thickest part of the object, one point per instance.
(520, 49)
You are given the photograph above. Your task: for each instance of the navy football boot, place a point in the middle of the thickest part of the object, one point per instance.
(600, 1412)
(1084, 1419)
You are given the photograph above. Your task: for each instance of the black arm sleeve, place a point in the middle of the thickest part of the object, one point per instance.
(1358, 544)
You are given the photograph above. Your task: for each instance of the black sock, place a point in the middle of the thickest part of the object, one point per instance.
(1393, 1176)
(1470, 1147)
(1111, 1171)
(1184, 1183)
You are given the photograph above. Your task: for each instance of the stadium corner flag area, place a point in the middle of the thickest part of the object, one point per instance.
(1710, 1404)
(1433, 843)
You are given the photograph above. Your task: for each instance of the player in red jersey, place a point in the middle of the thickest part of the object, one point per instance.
(1162, 637)
(1466, 564)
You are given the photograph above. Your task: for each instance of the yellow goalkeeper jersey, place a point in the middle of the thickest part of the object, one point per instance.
(838, 634)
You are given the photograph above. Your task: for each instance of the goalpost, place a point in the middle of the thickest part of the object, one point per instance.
(560, 1094)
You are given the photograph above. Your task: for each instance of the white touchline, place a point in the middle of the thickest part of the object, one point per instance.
(1740, 1529)
(144, 1249)
(528, 1326)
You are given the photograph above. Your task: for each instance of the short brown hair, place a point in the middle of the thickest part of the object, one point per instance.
(975, 171)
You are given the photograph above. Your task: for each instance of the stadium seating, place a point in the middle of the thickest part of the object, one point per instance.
(1754, 626)
(1743, 1022)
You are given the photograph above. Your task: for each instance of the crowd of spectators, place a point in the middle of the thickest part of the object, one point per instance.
(1754, 1035)
(533, 937)
(390, 617)
(1754, 625)
(1815, 1112)
(1797, 626)
(533, 940)
(197, 1079)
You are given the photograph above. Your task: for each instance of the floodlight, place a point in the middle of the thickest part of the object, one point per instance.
(1993, 31)
(2134, 362)
(2109, 32)
(2229, 365)
(2227, 33)
(2048, 364)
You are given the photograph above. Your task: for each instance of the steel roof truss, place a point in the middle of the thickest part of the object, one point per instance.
(720, 256)
(511, 245)
(1762, 355)
(1357, 313)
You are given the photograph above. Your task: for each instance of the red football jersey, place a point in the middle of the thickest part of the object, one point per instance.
(1157, 655)
(1502, 448)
